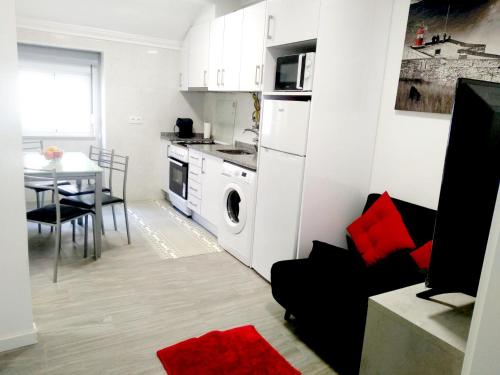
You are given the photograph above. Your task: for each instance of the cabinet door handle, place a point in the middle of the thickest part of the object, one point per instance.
(218, 77)
(193, 189)
(269, 19)
(194, 174)
(180, 79)
(202, 165)
(193, 204)
(226, 174)
(194, 158)
(261, 73)
(257, 69)
(204, 78)
(222, 77)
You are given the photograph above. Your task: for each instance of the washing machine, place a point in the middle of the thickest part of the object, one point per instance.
(235, 232)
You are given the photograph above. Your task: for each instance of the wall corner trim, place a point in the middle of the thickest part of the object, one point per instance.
(96, 33)
(19, 340)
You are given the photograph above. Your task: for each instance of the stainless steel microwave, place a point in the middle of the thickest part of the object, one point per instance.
(295, 72)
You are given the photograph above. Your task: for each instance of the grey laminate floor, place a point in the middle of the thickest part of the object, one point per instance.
(110, 316)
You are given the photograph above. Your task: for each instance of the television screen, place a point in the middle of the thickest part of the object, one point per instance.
(469, 189)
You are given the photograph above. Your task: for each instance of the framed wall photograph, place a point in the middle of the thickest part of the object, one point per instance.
(446, 40)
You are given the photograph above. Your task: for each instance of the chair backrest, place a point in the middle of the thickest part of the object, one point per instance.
(103, 157)
(118, 163)
(49, 176)
(32, 145)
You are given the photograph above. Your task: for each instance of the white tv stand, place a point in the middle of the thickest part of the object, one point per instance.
(406, 335)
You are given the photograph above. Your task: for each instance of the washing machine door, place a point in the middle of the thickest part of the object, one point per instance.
(235, 208)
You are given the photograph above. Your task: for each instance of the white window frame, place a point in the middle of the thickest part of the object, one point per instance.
(31, 55)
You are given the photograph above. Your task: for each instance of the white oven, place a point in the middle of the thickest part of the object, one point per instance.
(178, 183)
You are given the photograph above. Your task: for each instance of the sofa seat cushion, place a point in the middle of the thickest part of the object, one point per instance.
(380, 231)
(397, 270)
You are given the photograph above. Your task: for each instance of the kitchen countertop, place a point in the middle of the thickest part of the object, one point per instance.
(245, 161)
(172, 137)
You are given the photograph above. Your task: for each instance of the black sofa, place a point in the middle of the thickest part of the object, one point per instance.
(327, 293)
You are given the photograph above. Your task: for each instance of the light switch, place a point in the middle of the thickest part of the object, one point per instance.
(135, 120)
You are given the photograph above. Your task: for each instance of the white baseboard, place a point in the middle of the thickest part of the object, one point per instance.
(20, 340)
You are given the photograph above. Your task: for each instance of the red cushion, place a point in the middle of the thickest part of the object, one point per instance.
(380, 231)
(422, 255)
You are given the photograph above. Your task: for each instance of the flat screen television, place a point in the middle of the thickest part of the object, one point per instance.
(469, 188)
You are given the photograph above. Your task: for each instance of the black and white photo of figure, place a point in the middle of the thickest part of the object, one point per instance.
(446, 40)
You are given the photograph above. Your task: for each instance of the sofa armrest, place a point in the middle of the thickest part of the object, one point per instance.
(330, 255)
(322, 250)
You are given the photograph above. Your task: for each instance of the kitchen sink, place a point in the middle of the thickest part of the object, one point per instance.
(235, 152)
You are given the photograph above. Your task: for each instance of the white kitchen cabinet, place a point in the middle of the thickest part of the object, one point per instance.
(199, 46)
(252, 41)
(184, 73)
(216, 54)
(164, 165)
(290, 21)
(233, 26)
(225, 52)
(211, 195)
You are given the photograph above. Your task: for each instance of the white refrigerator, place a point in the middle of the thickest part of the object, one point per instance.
(283, 140)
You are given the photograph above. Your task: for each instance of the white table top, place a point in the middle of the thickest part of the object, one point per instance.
(71, 163)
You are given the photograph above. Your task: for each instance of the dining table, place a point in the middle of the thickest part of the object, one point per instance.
(72, 166)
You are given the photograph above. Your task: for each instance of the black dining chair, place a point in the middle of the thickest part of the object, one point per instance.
(116, 164)
(38, 187)
(56, 214)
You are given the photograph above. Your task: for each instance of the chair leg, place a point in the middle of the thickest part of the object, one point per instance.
(94, 234)
(126, 221)
(57, 251)
(53, 201)
(114, 216)
(38, 205)
(73, 233)
(86, 237)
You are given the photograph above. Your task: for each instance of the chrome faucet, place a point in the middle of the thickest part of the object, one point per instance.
(256, 138)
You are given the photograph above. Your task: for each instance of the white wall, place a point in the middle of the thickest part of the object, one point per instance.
(483, 344)
(223, 7)
(411, 146)
(16, 319)
(350, 65)
(135, 83)
(242, 117)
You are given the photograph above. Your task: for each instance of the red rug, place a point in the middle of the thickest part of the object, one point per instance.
(238, 351)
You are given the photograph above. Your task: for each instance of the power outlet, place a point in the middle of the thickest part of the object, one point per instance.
(135, 120)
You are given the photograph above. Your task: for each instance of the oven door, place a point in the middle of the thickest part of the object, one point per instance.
(178, 178)
(290, 72)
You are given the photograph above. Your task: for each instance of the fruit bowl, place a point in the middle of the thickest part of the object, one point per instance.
(53, 153)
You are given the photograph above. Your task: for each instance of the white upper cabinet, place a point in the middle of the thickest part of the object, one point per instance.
(252, 42)
(184, 73)
(233, 24)
(225, 52)
(199, 45)
(290, 21)
(216, 54)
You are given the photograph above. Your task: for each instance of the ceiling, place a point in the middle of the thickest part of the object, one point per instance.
(166, 19)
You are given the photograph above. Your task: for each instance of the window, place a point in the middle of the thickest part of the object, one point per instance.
(58, 91)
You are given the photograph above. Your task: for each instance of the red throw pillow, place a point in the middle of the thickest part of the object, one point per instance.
(422, 255)
(380, 231)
